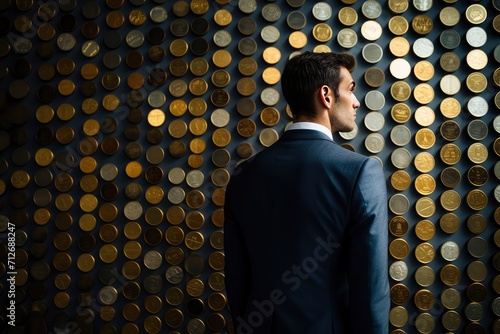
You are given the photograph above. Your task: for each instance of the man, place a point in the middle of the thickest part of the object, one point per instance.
(306, 220)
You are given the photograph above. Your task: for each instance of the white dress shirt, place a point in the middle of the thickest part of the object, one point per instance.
(311, 126)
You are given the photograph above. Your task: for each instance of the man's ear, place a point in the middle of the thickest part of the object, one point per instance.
(325, 96)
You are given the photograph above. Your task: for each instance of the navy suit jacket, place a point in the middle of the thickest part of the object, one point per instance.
(306, 240)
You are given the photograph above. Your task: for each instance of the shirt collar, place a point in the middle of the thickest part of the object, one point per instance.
(311, 126)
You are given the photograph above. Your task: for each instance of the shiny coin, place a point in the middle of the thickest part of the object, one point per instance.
(425, 184)
(348, 16)
(268, 136)
(425, 207)
(398, 271)
(398, 25)
(450, 84)
(423, 93)
(374, 142)
(371, 9)
(374, 100)
(270, 34)
(449, 16)
(423, 47)
(400, 91)
(322, 11)
(401, 158)
(371, 30)
(476, 37)
(400, 68)
(422, 24)
(372, 52)
(425, 230)
(347, 38)
(297, 39)
(450, 251)
(477, 106)
(399, 204)
(477, 59)
(424, 252)
(476, 14)
(400, 135)
(374, 121)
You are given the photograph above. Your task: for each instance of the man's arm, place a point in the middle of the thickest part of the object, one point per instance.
(368, 241)
(237, 265)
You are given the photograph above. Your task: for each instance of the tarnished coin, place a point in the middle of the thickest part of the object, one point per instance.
(372, 52)
(374, 77)
(424, 276)
(400, 135)
(401, 158)
(449, 39)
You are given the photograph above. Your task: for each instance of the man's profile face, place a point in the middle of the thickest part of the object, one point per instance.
(342, 112)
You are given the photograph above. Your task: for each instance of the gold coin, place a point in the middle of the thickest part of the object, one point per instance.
(449, 223)
(132, 230)
(133, 169)
(132, 249)
(424, 116)
(424, 70)
(85, 262)
(398, 6)
(88, 202)
(223, 17)
(44, 114)
(400, 112)
(297, 39)
(424, 162)
(374, 77)
(348, 16)
(450, 107)
(108, 253)
(195, 287)
(400, 180)
(423, 93)
(61, 299)
(248, 66)
(399, 46)
(87, 222)
(270, 116)
(322, 32)
(322, 48)
(177, 128)
(398, 25)
(399, 248)
(398, 226)
(424, 299)
(178, 47)
(425, 184)
(450, 200)
(91, 127)
(476, 82)
(246, 86)
(198, 126)
(425, 252)
(194, 240)
(89, 106)
(198, 86)
(178, 88)
(425, 138)
(422, 24)
(271, 55)
(477, 153)
(449, 16)
(65, 112)
(425, 230)
(110, 102)
(221, 58)
(477, 199)
(496, 76)
(221, 137)
(44, 156)
(154, 195)
(156, 117)
(20, 179)
(197, 106)
(425, 207)
(398, 316)
(137, 17)
(450, 154)
(424, 276)
(450, 274)
(400, 91)
(199, 7)
(271, 75)
(178, 107)
(476, 14)
(220, 78)
(449, 61)
(64, 202)
(197, 145)
(246, 127)
(66, 87)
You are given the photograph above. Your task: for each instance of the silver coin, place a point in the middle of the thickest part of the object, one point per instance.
(400, 68)
(399, 204)
(222, 38)
(247, 46)
(401, 158)
(247, 6)
(496, 193)
(270, 34)
(450, 251)
(174, 274)
(450, 84)
(322, 11)
(90, 49)
(295, 3)
(351, 134)
(424, 276)
(195, 326)
(132, 210)
(66, 42)
(450, 298)
(477, 129)
(271, 12)
(477, 106)
(158, 14)
(449, 39)
(220, 118)
(422, 5)
(477, 271)
(372, 52)
(496, 53)
(108, 295)
(423, 47)
(496, 124)
(474, 311)
(134, 38)
(268, 136)
(195, 178)
(176, 195)
(496, 169)
(374, 100)
(477, 247)
(371, 9)
(156, 98)
(400, 135)
(374, 121)
(347, 38)
(398, 271)
(374, 142)
(296, 20)
(269, 96)
(109, 172)
(495, 306)
(23, 45)
(152, 260)
(476, 37)
(176, 175)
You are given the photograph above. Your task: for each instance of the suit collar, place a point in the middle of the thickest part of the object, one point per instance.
(304, 134)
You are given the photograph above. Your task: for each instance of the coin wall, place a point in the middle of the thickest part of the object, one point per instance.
(121, 121)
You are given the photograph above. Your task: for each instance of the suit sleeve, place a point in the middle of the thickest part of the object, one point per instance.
(369, 298)
(237, 263)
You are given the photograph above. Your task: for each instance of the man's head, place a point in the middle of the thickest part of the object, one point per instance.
(317, 83)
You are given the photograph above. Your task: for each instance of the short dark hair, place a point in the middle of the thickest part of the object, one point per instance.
(305, 73)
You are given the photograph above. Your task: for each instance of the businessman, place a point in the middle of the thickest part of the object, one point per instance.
(306, 220)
